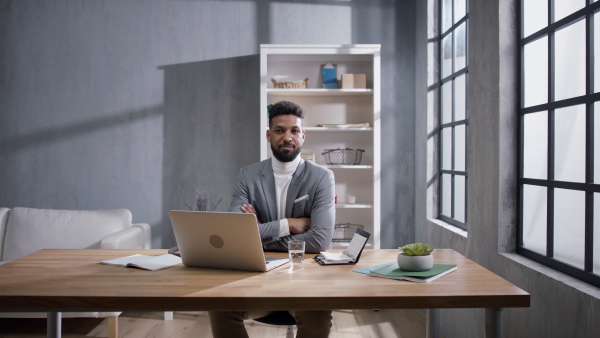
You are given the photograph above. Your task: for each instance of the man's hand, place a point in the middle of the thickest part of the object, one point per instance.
(299, 225)
(249, 209)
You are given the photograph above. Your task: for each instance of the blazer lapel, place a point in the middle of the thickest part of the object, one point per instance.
(293, 189)
(268, 186)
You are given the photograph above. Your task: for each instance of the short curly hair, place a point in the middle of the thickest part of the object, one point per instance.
(284, 108)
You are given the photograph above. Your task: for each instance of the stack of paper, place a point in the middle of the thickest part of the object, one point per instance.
(394, 272)
(336, 257)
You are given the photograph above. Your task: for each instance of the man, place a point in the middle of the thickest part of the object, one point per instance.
(292, 199)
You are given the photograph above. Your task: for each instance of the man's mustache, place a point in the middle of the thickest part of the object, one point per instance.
(287, 144)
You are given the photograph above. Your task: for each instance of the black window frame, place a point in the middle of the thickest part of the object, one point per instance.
(440, 81)
(588, 99)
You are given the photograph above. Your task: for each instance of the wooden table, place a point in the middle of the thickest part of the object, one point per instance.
(56, 281)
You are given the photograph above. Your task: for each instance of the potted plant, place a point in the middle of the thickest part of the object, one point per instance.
(416, 257)
(205, 201)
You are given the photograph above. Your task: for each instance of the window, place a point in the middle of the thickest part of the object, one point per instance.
(450, 86)
(559, 164)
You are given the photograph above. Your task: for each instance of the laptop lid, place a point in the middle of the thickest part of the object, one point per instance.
(222, 240)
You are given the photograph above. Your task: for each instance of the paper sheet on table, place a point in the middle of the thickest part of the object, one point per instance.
(337, 256)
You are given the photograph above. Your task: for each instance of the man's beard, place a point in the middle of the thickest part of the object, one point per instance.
(287, 156)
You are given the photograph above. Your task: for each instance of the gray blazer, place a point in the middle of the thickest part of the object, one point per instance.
(311, 194)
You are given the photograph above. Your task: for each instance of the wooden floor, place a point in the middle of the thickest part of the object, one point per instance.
(346, 324)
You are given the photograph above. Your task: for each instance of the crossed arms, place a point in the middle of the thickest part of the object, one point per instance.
(311, 220)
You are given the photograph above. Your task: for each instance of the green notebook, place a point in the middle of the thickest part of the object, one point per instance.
(394, 272)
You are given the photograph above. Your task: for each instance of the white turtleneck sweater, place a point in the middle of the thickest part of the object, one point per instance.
(283, 172)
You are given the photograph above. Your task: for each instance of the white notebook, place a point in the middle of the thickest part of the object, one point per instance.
(146, 262)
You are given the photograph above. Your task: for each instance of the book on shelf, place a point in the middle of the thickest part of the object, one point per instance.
(394, 272)
(329, 75)
(145, 262)
(349, 256)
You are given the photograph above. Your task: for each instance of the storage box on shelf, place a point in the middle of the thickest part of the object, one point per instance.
(354, 80)
(344, 118)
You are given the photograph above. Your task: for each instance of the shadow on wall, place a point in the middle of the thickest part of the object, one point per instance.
(211, 118)
(89, 164)
(78, 129)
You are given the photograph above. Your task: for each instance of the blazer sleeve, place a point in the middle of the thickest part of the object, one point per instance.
(269, 230)
(318, 237)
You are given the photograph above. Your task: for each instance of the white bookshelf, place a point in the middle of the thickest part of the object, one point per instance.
(333, 106)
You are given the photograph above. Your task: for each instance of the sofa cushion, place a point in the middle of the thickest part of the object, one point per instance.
(29, 230)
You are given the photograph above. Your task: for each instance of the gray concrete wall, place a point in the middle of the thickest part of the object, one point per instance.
(135, 103)
(560, 305)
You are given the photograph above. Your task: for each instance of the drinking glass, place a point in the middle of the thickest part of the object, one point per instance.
(296, 251)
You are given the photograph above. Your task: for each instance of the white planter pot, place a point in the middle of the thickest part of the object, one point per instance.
(415, 263)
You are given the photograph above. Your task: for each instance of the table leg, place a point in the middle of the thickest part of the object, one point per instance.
(433, 323)
(493, 323)
(53, 329)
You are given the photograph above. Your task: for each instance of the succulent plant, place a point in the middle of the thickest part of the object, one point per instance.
(417, 249)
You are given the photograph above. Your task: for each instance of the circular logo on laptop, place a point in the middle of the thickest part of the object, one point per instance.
(216, 241)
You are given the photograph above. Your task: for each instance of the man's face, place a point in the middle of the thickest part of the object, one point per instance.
(286, 137)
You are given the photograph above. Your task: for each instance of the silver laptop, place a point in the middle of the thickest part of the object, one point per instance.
(221, 240)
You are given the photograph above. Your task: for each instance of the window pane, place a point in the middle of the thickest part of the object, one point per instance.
(563, 8)
(569, 226)
(535, 16)
(432, 65)
(447, 102)
(460, 9)
(596, 254)
(535, 145)
(446, 15)
(459, 147)
(446, 195)
(535, 70)
(597, 52)
(447, 148)
(431, 19)
(459, 198)
(447, 56)
(432, 165)
(569, 144)
(460, 97)
(460, 47)
(432, 106)
(570, 61)
(534, 218)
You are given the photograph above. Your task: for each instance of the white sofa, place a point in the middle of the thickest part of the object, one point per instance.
(26, 230)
